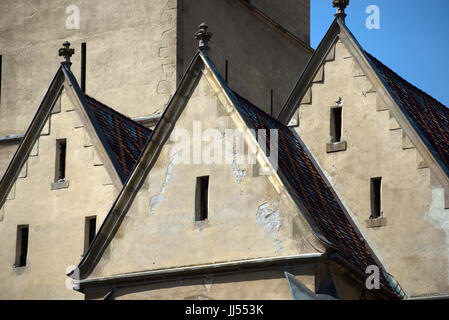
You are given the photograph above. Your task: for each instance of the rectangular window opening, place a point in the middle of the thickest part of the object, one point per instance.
(336, 124)
(376, 200)
(83, 66)
(1, 62)
(226, 71)
(271, 102)
(21, 245)
(90, 229)
(61, 148)
(201, 198)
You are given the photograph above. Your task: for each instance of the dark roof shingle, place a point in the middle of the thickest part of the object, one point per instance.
(428, 116)
(123, 138)
(310, 188)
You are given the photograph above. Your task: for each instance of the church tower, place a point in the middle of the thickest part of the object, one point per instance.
(131, 55)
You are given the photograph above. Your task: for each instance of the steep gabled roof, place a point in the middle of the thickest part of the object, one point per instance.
(324, 210)
(297, 170)
(429, 117)
(32, 134)
(123, 138)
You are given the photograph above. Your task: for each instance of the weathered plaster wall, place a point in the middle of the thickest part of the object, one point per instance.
(247, 218)
(131, 53)
(260, 57)
(56, 218)
(136, 48)
(7, 150)
(294, 15)
(413, 244)
(262, 285)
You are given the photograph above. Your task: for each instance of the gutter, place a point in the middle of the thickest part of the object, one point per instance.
(173, 274)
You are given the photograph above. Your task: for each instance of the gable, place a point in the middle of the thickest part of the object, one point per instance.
(421, 116)
(304, 197)
(118, 140)
(318, 201)
(380, 141)
(55, 211)
(249, 215)
(84, 172)
(427, 115)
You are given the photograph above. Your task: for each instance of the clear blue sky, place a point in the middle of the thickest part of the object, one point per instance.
(413, 39)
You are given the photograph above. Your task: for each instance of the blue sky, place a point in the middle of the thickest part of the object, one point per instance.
(413, 39)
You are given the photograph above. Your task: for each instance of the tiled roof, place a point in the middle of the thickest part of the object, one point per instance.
(428, 116)
(123, 138)
(309, 187)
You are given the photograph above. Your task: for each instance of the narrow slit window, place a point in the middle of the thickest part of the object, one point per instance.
(89, 231)
(376, 198)
(83, 66)
(22, 245)
(1, 62)
(202, 198)
(336, 124)
(271, 102)
(61, 149)
(226, 71)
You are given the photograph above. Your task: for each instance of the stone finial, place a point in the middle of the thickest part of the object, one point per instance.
(203, 36)
(66, 52)
(341, 6)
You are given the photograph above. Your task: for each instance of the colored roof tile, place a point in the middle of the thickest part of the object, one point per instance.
(429, 117)
(123, 138)
(310, 188)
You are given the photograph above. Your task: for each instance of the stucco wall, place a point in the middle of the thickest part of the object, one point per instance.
(294, 15)
(132, 57)
(413, 244)
(260, 57)
(56, 218)
(130, 54)
(137, 50)
(7, 150)
(247, 218)
(262, 285)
